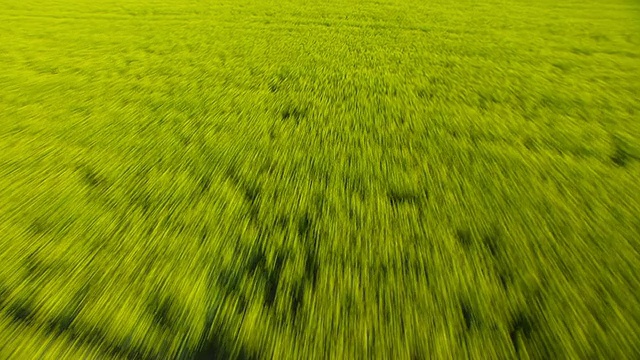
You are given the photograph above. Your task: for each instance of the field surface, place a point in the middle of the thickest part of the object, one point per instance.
(319, 179)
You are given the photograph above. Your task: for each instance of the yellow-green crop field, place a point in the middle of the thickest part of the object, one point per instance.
(302, 179)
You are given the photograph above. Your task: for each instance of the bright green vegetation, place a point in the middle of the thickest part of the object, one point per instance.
(319, 179)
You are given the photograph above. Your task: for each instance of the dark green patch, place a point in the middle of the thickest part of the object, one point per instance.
(142, 200)
(251, 192)
(21, 312)
(81, 109)
(257, 260)
(468, 316)
(220, 346)
(204, 236)
(241, 304)
(161, 308)
(464, 237)
(520, 331)
(91, 177)
(492, 241)
(204, 184)
(529, 144)
(293, 112)
(319, 203)
(297, 299)
(620, 156)
(95, 338)
(563, 66)
(247, 188)
(230, 280)
(425, 93)
(581, 51)
(305, 226)
(355, 185)
(420, 271)
(486, 99)
(418, 355)
(282, 222)
(272, 278)
(312, 267)
(184, 140)
(504, 280)
(599, 37)
(63, 322)
(40, 226)
(399, 197)
(35, 268)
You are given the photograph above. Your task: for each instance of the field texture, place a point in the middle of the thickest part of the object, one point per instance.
(319, 179)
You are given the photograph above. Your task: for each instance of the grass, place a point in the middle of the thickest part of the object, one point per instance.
(301, 180)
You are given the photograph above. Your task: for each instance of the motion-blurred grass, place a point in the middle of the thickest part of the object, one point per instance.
(319, 179)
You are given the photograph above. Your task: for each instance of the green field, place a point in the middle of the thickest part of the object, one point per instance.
(319, 179)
